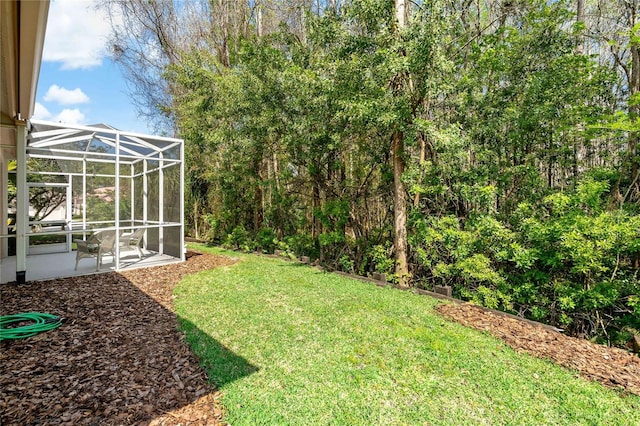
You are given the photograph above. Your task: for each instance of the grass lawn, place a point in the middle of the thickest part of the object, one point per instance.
(288, 344)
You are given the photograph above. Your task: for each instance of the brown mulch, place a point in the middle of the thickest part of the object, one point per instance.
(117, 359)
(613, 367)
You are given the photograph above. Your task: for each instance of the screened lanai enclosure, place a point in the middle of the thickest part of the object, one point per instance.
(98, 199)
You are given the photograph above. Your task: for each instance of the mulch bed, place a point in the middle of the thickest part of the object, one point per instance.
(117, 359)
(613, 367)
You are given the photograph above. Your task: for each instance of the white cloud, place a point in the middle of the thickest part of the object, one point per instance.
(40, 112)
(65, 96)
(76, 34)
(69, 116)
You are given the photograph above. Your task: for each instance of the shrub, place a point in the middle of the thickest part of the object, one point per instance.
(381, 258)
(238, 238)
(267, 240)
(302, 244)
(567, 261)
(346, 264)
(588, 255)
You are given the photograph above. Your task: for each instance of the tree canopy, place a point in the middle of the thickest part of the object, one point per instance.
(487, 145)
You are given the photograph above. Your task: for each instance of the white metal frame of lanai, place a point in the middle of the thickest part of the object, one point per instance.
(149, 163)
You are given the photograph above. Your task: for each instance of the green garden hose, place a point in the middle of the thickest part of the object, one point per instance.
(42, 322)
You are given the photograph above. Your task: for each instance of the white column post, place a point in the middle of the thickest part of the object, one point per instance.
(145, 197)
(69, 216)
(84, 197)
(132, 196)
(22, 203)
(161, 205)
(117, 207)
(182, 257)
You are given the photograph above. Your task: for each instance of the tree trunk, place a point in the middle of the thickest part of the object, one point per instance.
(196, 218)
(399, 192)
(399, 209)
(316, 230)
(259, 20)
(634, 110)
(401, 13)
(423, 150)
(580, 18)
(258, 198)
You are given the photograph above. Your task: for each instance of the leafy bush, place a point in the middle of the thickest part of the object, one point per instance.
(471, 257)
(589, 257)
(267, 240)
(211, 227)
(381, 258)
(567, 261)
(333, 241)
(302, 244)
(238, 238)
(346, 264)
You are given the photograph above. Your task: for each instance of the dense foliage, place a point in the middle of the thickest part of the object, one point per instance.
(506, 132)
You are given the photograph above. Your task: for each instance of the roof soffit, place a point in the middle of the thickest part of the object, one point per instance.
(22, 31)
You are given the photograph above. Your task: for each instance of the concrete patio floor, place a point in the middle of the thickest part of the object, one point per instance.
(61, 265)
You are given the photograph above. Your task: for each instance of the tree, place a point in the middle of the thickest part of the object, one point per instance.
(397, 153)
(312, 122)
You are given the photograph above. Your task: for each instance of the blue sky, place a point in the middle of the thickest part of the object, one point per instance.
(79, 84)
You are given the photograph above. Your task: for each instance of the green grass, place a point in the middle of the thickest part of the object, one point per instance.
(288, 344)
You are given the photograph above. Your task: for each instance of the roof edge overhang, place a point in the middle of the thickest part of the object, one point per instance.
(22, 41)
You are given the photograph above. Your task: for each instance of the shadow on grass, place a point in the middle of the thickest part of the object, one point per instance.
(222, 365)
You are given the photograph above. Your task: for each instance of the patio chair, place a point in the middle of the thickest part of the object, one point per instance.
(133, 241)
(96, 246)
